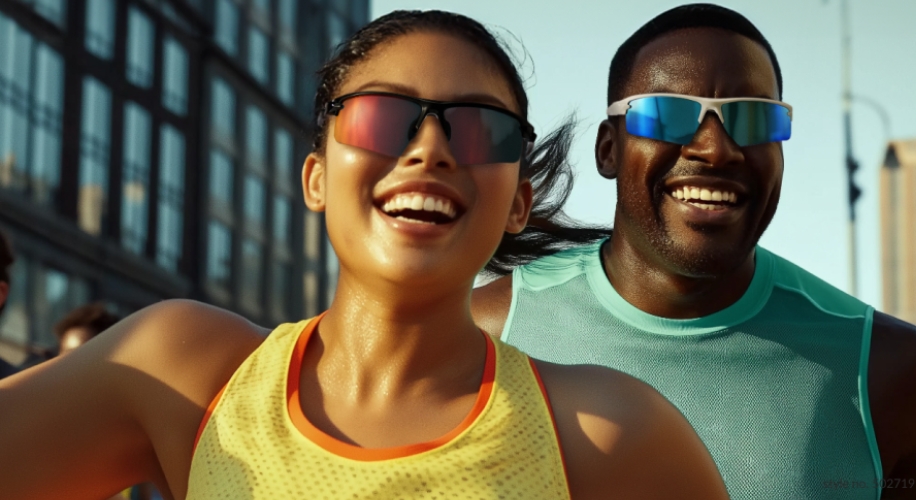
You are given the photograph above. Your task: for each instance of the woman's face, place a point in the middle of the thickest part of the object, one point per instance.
(364, 194)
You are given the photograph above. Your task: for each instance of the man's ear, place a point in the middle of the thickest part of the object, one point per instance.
(606, 150)
(313, 182)
(521, 207)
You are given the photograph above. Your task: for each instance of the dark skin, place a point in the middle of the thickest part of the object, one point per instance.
(670, 260)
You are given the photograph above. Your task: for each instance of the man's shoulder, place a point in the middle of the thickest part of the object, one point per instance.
(794, 279)
(558, 268)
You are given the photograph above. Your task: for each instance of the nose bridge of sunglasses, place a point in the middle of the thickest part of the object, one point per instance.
(715, 107)
(446, 126)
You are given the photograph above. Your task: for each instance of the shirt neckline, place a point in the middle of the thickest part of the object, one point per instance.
(749, 305)
(353, 452)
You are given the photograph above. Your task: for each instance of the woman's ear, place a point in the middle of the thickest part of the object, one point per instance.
(313, 182)
(521, 207)
(606, 150)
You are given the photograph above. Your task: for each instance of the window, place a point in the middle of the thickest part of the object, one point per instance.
(250, 291)
(171, 198)
(286, 15)
(254, 201)
(283, 157)
(222, 112)
(286, 75)
(94, 154)
(227, 26)
(31, 107)
(47, 116)
(359, 12)
(139, 48)
(258, 56)
(174, 76)
(219, 254)
(282, 216)
(255, 138)
(134, 192)
(100, 28)
(56, 294)
(279, 289)
(221, 174)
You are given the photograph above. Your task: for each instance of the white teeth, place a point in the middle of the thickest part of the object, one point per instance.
(418, 202)
(694, 195)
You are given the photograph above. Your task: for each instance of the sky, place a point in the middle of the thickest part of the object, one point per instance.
(570, 44)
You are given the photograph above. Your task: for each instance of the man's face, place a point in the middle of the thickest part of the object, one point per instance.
(680, 236)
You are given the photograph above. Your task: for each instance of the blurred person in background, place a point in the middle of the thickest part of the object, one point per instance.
(81, 325)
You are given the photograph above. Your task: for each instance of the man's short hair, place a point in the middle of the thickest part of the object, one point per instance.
(94, 316)
(699, 15)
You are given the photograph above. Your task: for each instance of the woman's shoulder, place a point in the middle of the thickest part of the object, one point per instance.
(186, 343)
(620, 434)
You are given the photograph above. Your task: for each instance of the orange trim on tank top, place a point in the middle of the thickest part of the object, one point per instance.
(553, 420)
(207, 415)
(354, 452)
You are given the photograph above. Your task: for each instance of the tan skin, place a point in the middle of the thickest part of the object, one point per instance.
(668, 265)
(397, 345)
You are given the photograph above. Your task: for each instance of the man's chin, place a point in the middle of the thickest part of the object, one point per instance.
(708, 261)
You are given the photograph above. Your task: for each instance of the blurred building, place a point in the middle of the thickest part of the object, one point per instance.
(151, 149)
(898, 229)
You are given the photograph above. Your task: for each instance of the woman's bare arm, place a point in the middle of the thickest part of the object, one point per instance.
(622, 439)
(106, 416)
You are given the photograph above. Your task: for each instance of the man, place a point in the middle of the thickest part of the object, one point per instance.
(797, 389)
(81, 325)
(6, 260)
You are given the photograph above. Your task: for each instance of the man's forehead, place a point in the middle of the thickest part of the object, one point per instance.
(710, 62)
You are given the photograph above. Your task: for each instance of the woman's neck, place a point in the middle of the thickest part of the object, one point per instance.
(384, 339)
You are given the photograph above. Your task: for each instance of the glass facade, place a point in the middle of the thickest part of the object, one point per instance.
(177, 164)
(139, 48)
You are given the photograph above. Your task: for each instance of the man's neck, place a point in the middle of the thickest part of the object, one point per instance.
(656, 289)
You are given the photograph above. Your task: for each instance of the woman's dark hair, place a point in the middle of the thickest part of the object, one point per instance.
(546, 165)
(698, 15)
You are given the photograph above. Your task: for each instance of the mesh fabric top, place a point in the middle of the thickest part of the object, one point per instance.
(774, 384)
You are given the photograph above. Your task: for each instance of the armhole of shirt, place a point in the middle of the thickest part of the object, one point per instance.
(207, 414)
(553, 421)
(864, 406)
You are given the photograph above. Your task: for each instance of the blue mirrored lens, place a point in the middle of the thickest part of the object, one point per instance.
(669, 119)
(754, 122)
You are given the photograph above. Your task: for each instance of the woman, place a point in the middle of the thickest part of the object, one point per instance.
(393, 392)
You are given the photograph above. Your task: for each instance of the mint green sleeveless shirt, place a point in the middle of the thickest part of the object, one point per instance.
(775, 384)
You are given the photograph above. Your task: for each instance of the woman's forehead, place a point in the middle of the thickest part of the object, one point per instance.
(432, 65)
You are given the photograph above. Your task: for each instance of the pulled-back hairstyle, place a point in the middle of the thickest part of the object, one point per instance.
(545, 164)
(698, 15)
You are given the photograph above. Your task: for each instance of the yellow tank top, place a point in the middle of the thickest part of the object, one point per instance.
(255, 442)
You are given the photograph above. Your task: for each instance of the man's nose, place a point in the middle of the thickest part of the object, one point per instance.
(712, 145)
